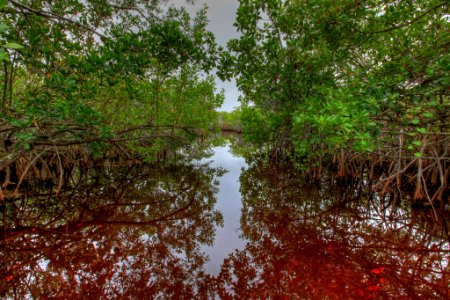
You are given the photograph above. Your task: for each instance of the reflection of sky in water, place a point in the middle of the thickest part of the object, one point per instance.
(229, 204)
(300, 237)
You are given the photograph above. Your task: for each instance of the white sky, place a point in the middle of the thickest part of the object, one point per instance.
(221, 15)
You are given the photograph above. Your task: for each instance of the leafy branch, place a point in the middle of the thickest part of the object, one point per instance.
(405, 24)
(25, 9)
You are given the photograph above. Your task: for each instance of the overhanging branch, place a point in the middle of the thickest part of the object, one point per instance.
(51, 15)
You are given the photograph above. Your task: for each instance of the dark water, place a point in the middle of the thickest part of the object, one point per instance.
(127, 231)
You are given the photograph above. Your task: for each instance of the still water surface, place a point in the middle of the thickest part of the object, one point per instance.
(126, 231)
(229, 203)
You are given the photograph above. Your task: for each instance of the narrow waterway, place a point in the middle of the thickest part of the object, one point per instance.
(120, 230)
(229, 203)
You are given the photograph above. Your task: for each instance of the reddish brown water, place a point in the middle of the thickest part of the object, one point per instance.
(146, 231)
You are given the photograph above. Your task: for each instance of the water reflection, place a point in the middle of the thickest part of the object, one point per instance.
(330, 242)
(140, 231)
(114, 232)
(229, 203)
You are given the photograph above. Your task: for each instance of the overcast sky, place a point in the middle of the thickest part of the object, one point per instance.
(221, 15)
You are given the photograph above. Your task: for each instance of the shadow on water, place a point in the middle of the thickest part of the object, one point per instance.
(132, 231)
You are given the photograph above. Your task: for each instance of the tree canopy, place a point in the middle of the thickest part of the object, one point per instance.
(323, 75)
(104, 72)
(335, 82)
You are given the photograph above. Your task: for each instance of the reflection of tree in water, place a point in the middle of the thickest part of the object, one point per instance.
(330, 243)
(113, 232)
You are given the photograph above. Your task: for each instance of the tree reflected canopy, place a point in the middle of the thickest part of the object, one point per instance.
(113, 231)
(128, 231)
(334, 240)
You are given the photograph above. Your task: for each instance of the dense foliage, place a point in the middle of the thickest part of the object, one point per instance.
(322, 81)
(231, 121)
(324, 75)
(102, 73)
(329, 82)
(104, 185)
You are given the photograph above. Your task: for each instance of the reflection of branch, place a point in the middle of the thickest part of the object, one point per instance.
(154, 221)
(77, 225)
(169, 199)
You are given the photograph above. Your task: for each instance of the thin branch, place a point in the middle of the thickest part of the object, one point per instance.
(65, 143)
(147, 126)
(406, 23)
(52, 15)
(132, 8)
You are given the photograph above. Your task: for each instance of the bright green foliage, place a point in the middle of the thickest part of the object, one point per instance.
(329, 74)
(105, 71)
(231, 121)
(258, 124)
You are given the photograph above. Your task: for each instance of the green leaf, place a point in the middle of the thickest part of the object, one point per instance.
(25, 136)
(3, 56)
(418, 154)
(19, 122)
(417, 143)
(13, 46)
(3, 27)
(415, 121)
(421, 130)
